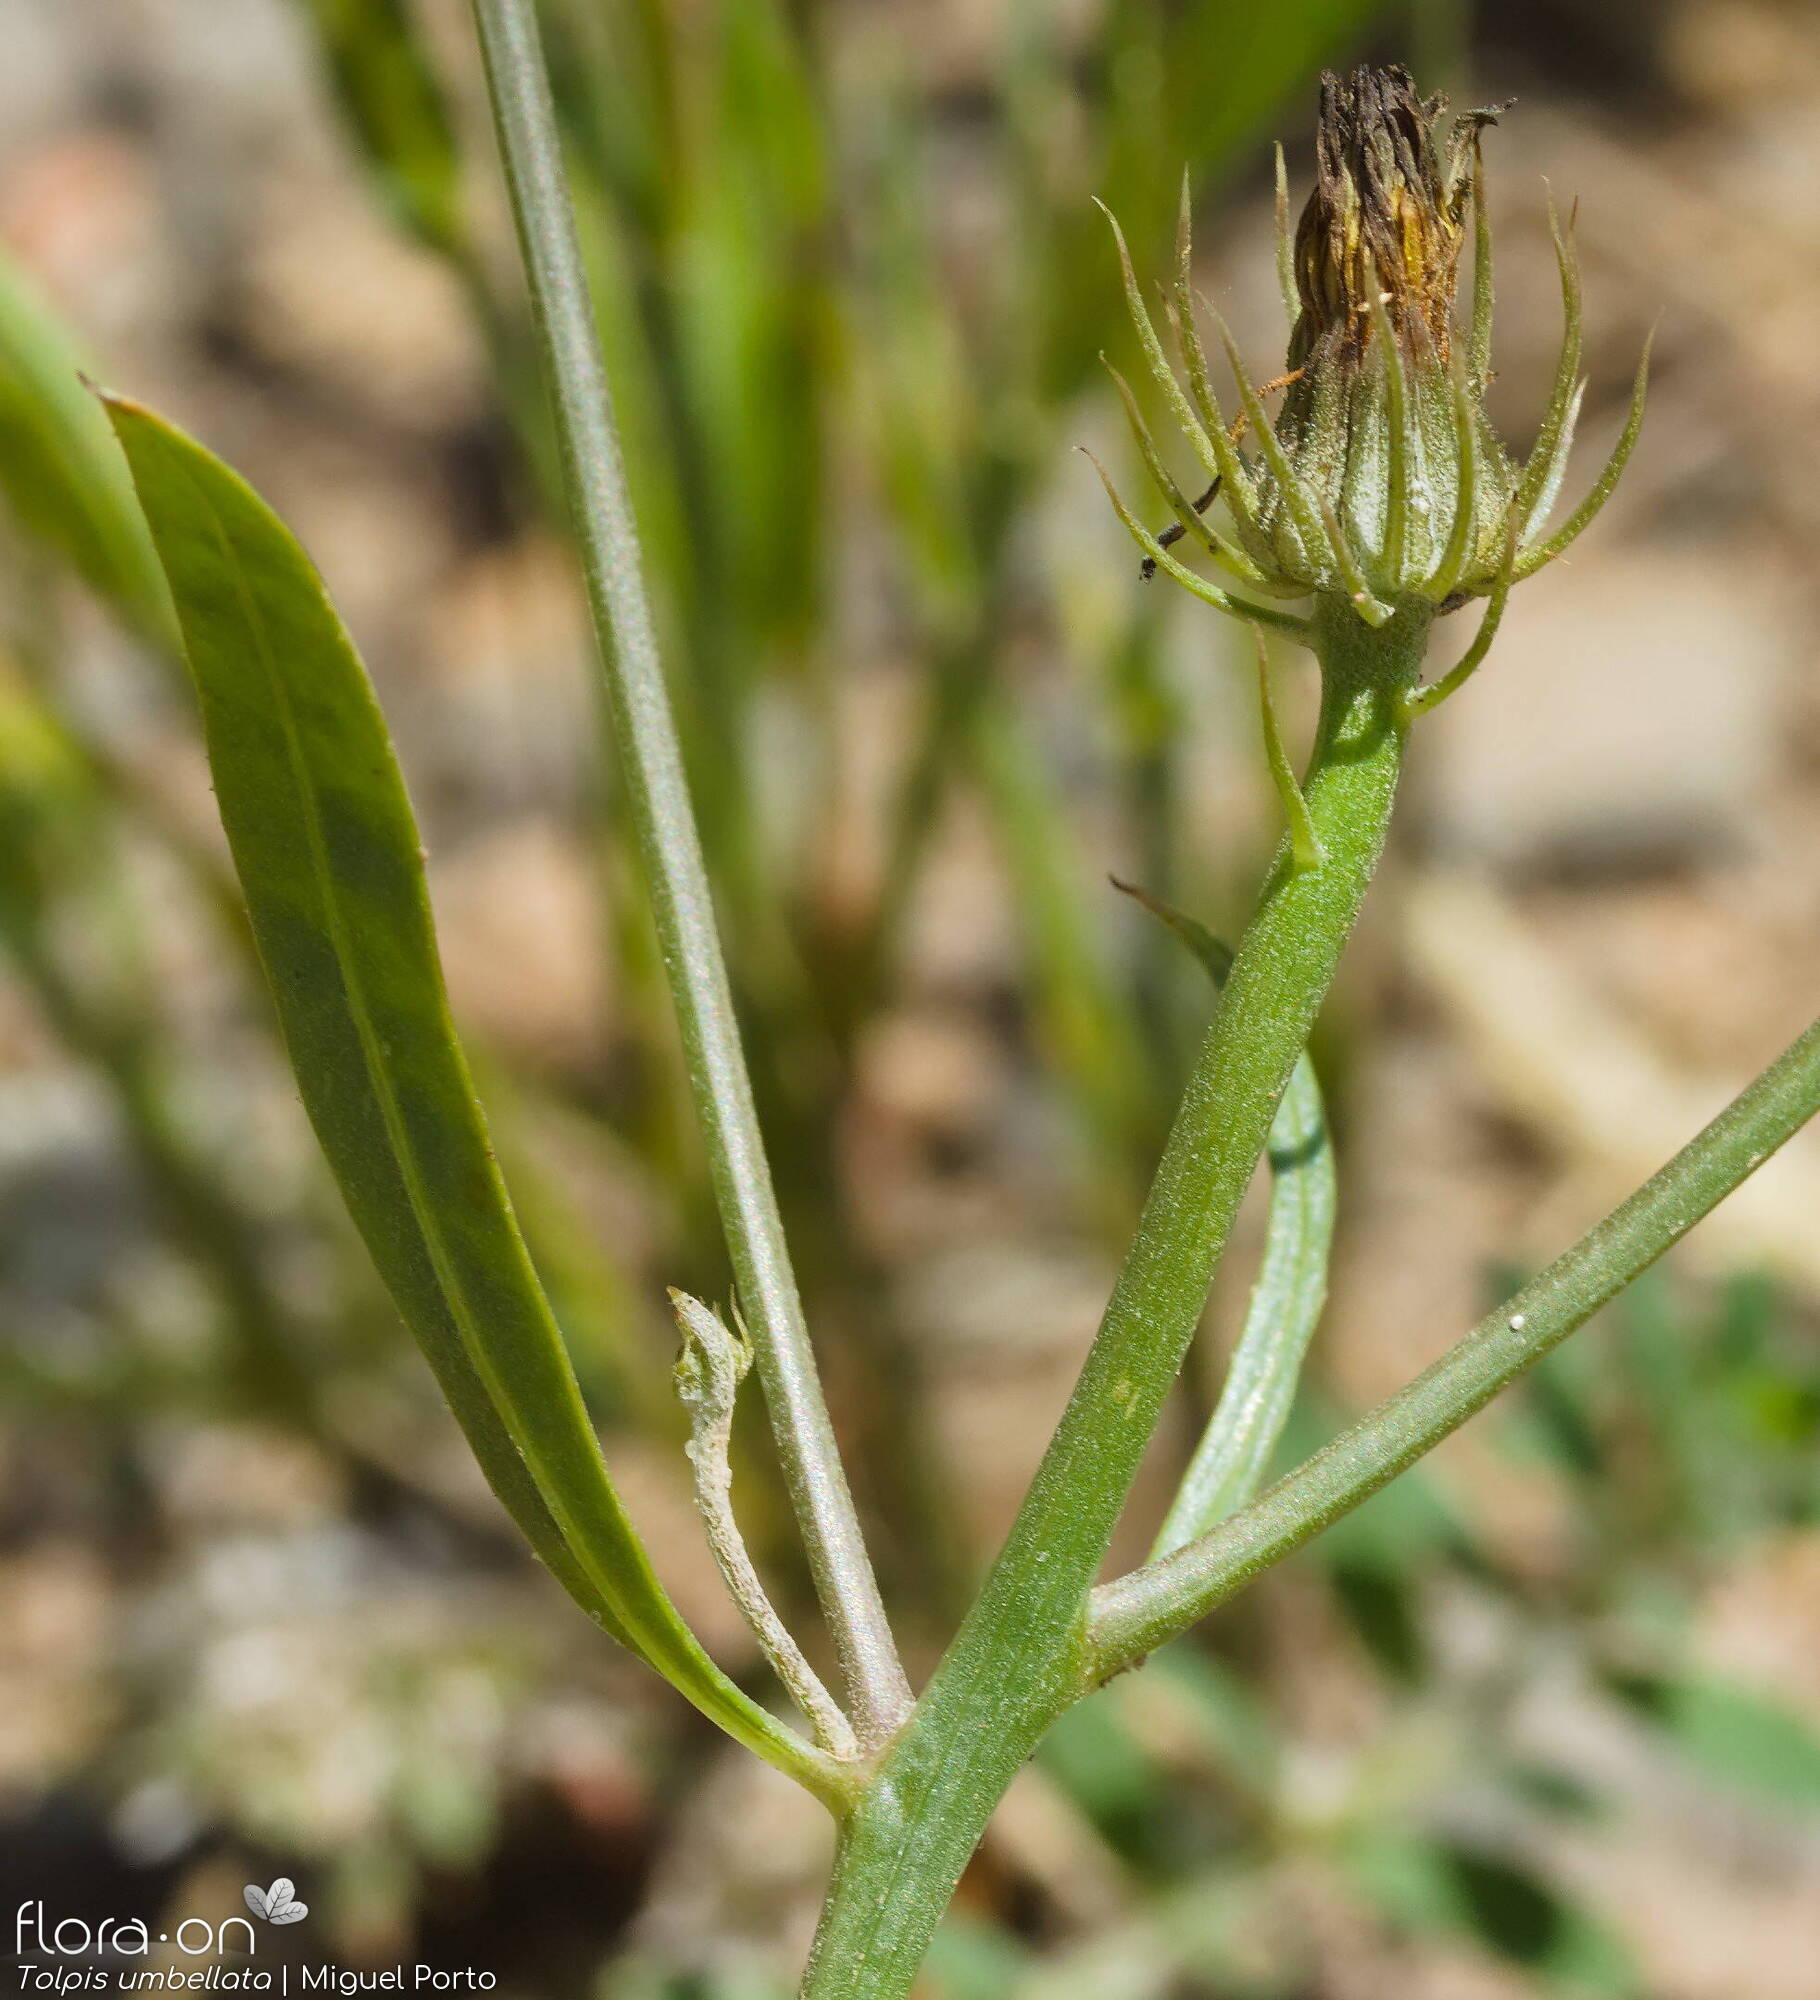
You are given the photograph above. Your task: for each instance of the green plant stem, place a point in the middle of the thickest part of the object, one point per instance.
(671, 850)
(1234, 1454)
(1140, 1611)
(1022, 1655)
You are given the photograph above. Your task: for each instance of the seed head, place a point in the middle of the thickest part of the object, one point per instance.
(1381, 479)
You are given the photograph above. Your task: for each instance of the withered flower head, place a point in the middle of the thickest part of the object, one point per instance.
(1380, 482)
(1389, 213)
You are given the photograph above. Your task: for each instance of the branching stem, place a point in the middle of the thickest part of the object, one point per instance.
(1021, 1657)
(1140, 1611)
(1041, 1635)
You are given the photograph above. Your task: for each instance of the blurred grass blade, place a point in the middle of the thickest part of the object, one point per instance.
(1091, 1033)
(1233, 66)
(1233, 1456)
(62, 470)
(327, 851)
(1446, 1887)
(395, 110)
(1747, 1740)
(67, 926)
(1200, 84)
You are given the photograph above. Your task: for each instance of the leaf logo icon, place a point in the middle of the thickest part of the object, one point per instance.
(278, 1904)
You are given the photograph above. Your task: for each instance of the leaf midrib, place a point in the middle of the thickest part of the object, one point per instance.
(391, 1114)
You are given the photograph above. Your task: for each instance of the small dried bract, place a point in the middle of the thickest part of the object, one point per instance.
(1381, 479)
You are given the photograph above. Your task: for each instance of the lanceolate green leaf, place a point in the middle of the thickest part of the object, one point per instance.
(61, 468)
(327, 852)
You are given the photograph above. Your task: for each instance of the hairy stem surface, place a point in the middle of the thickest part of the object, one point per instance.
(1022, 1655)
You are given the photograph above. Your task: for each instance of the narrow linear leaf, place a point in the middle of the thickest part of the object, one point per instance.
(327, 851)
(1234, 1454)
